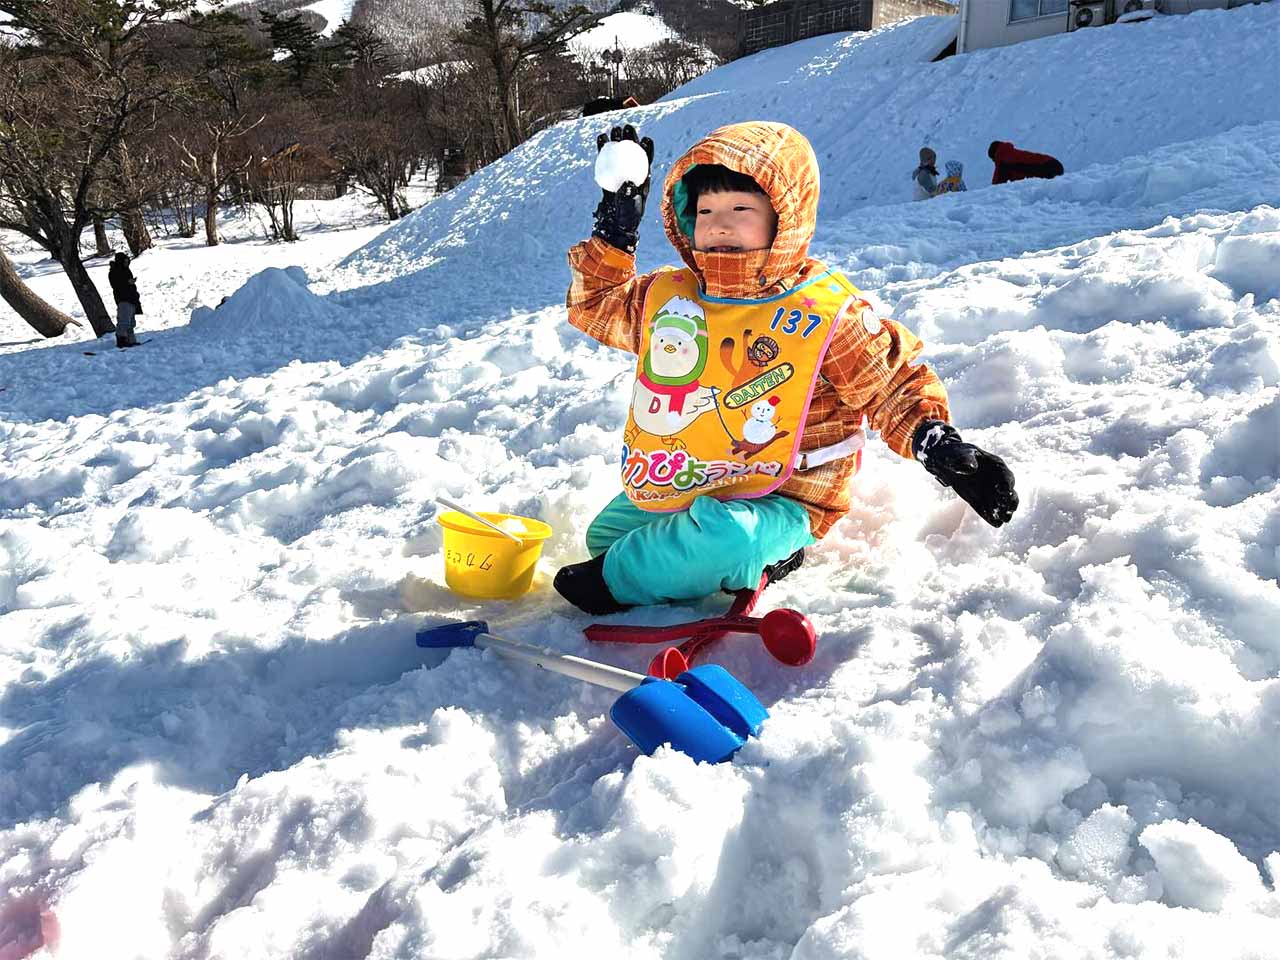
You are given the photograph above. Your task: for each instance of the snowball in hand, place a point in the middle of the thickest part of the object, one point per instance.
(620, 161)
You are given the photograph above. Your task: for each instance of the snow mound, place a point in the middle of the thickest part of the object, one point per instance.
(1200, 869)
(273, 298)
(1248, 259)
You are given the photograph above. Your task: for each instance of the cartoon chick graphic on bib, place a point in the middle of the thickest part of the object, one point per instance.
(668, 397)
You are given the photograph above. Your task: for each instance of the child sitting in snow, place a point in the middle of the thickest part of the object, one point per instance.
(924, 178)
(953, 182)
(757, 365)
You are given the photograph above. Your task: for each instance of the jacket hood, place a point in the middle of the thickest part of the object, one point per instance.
(780, 159)
(955, 168)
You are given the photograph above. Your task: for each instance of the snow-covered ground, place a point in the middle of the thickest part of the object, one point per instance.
(1057, 739)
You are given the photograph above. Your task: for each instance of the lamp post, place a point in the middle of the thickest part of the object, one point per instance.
(614, 56)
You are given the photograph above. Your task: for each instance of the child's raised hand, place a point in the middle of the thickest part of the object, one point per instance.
(621, 158)
(618, 215)
(981, 479)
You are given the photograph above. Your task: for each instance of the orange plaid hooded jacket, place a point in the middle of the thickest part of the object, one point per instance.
(867, 371)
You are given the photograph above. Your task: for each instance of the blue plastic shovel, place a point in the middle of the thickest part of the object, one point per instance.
(705, 712)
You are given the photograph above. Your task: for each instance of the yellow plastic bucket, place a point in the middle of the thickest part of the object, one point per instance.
(482, 563)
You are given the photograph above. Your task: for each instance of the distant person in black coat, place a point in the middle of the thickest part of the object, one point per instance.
(125, 289)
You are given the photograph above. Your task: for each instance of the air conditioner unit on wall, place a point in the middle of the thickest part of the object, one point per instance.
(1132, 8)
(1087, 13)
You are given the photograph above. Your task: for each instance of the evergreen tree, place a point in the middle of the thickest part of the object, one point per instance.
(227, 72)
(505, 36)
(292, 35)
(359, 47)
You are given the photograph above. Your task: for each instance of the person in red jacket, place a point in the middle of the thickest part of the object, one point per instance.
(1014, 164)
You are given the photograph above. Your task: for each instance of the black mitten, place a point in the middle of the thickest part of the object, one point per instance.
(618, 214)
(981, 479)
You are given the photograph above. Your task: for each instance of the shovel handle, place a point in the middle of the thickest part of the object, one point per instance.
(600, 674)
(453, 505)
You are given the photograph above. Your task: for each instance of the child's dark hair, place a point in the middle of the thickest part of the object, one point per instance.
(715, 178)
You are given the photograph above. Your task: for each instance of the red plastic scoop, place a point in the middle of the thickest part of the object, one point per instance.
(787, 635)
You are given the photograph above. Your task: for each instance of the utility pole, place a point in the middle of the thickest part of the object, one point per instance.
(614, 56)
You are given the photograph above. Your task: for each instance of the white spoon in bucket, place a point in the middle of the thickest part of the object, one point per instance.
(444, 501)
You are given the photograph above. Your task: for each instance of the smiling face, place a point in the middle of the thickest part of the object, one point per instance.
(734, 221)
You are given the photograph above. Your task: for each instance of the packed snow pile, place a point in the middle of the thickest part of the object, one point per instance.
(1052, 739)
(273, 298)
(1246, 260)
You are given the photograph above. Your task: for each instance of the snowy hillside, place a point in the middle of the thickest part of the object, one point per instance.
(1056, 739)
(628, 30)
(335, 12)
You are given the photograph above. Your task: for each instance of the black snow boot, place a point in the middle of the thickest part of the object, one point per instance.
(776, 571)
(582, 584)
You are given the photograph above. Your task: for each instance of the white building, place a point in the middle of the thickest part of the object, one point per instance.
(997, 23)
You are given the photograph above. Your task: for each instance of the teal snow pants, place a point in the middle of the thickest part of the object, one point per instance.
(713, 545)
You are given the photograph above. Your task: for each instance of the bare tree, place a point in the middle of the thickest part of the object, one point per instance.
(504, 36)
(452, 100)
(553, 89)
(133, 181)
(712, 24)
(379, 142)
(74, 83)
(290, 151)
(227, 74)
(414, 29)
(656, 70)
(45, 319)
(184, 200)
(101, 245)
(379, 136)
